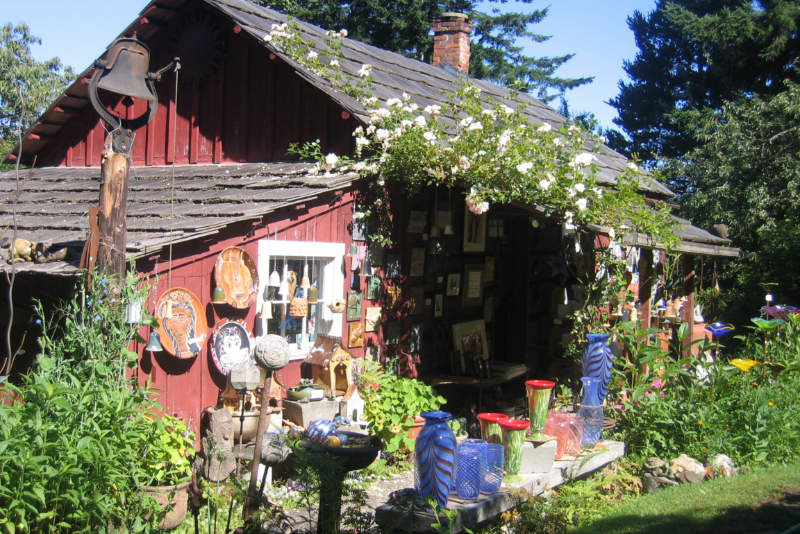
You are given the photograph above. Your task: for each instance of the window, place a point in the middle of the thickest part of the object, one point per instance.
(324, 264)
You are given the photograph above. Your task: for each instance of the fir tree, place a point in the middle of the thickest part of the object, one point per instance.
(693, 56)
(404, 26)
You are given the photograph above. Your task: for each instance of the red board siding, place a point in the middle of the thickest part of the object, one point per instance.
(188, 386)
(250, 109)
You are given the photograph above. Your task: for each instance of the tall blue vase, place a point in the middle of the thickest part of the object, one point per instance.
(596, 360)
(591, 410)
(434, 458)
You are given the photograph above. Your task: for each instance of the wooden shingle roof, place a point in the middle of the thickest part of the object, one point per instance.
(51, 205)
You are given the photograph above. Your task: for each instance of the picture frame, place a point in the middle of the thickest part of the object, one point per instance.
(373, 319)
(373, 353)
(394, 266)
(488, 269)
(394, 331)
(474, 232)
(359, 226)
(416, 267)
(438, 305)
(469, 339)
(374, 287)
(354, 299)
(453, 288)
(473, 285)
(356, 335)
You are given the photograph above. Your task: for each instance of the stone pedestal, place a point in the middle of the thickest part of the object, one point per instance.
(302, 413)
(538, 458)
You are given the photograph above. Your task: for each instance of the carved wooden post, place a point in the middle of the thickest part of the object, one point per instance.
(111, 217)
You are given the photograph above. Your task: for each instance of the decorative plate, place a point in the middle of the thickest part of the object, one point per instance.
(181, 322)
(235, 272)
(230, 345)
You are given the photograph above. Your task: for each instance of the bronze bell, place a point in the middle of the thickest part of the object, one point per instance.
(125, 69)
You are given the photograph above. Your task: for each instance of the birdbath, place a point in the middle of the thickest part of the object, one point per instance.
(333, 464)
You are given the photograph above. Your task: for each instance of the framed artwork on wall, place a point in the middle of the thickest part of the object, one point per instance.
(473, 285)
(469, 338)
(474, 232)
(356, 337)
(354, 305)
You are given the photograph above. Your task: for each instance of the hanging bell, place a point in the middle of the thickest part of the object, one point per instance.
(305, 283)
(126, 66)
(154, 344)
(218, 295)
(274, 279)
(313, 295)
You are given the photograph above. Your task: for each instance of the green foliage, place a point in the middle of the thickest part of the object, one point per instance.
(71, 434)
(391, 402)
(693, 56)
(27, 86)
(168, 450)
(746, 174)
(666, 405)
(404, 27)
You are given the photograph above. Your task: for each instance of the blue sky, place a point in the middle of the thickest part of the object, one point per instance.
(595, 31)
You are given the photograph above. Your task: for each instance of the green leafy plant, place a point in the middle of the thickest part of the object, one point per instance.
(70, 432)
(391, 402)
(168, 448)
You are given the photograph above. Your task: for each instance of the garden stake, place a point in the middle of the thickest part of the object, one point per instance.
(251, 500)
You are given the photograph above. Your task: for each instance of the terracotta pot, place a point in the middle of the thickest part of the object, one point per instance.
(175, 497)
(415, 429)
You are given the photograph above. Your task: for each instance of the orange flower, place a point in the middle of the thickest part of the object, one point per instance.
(743, 364)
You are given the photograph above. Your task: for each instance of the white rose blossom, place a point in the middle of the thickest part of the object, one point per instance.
(365, 70)
(632, 166)
(558, 141)
(524, 167)
(394, 103)
(343, 32)
(583, 159)
(312, 55)
(581, 203)
(580, 188)
(429, 136)
(475, 126)
(420, 121)
(544, 128)
(331, 160)
(381, 134)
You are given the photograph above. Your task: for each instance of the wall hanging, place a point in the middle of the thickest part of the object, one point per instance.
(235, 272)
(230, 345)
(182, 325)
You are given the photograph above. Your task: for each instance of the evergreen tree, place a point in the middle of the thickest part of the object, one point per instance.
(746, 174)
(693, 56)
(404, 26)
(27, 86)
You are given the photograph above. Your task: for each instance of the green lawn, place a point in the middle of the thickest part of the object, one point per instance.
(745, 503)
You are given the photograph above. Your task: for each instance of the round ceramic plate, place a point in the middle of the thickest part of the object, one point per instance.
(235, 272)
(230, 345)
(181, 322)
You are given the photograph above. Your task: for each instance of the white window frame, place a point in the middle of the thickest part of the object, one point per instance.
(332, 254)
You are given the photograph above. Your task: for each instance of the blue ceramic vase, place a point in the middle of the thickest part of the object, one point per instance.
(591, 410)
(434, 458)
(596, 360)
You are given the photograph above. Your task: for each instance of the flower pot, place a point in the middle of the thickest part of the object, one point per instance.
(416, 428)
(174, 499)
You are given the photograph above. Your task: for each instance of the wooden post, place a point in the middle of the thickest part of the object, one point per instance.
(113, 212)
(687, 313)
(252, 499)
(645, 285)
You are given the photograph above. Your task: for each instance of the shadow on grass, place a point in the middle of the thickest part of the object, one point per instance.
(772, 516)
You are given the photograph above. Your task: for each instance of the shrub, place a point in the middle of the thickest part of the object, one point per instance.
(71, 437)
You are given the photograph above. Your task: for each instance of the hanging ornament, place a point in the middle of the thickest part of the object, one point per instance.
(283, 288)
(306, 282)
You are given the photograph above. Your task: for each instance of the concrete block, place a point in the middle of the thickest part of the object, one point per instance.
(538, 458)
(302, 413)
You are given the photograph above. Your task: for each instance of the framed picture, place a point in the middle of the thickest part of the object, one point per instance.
(394, 295)
(356, 337)
(354, 305)
(394, 330)
(453, 285)
(373, 353)
(438, 305)
(473, 284)
(474, 232)
(488, 269)
(416, 300)
(374, 287)
(469, 339)
(373, 319)
(359, 226)
(394, 265)
(375, 257)
(230, 345)
(416, 221)
(417, 264)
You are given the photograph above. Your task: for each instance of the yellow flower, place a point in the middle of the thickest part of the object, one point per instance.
(743, 364)
(755, 383)
(396, 429)
(700, 422)
(770, 403)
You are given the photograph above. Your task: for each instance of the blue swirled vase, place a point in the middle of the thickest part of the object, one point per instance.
(591, 410)
(596, 360)
(434, 457)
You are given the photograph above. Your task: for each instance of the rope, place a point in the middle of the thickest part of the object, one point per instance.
(172, 178)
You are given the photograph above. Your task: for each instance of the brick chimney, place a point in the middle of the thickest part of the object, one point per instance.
(451, 41)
